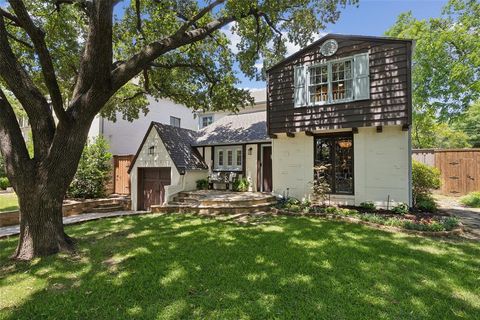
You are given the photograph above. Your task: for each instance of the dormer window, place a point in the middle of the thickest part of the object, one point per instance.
(339, 80)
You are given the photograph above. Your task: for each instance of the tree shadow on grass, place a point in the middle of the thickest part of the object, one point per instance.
(178, 266)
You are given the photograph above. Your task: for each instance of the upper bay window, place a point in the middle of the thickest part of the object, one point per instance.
(334, 81)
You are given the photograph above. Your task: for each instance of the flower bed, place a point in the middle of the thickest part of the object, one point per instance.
(424, 222)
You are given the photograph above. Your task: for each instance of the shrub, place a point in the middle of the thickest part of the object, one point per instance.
(401, 208)
(368, 205)
(202, 184)
(93, 171)
(450, 223)
(241, 185)
(471, 200)
(320, 186)
(4, 183)
(2, 167)
(424, 179)
(426, 203)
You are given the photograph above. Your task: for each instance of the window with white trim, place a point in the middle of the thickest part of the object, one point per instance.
(330, 82)
(334, 81)
(228, 158)
(205, 121)
(175, 122)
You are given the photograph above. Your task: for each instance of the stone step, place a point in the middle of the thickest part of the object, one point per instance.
(107, 205)
(211, 210)
(184, 199)
(243, 203)
(111, 208)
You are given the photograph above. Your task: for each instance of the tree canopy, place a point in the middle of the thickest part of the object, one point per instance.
(446, 71)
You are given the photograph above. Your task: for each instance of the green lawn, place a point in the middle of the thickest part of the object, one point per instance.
(8, 202)
(168, 267)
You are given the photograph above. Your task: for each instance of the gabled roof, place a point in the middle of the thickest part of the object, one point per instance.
(235, 129)
(178, 143)
(336, 36)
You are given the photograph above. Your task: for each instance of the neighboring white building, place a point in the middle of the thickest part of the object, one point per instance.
(124, 136)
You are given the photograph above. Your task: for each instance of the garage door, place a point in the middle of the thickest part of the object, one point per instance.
(152, 182)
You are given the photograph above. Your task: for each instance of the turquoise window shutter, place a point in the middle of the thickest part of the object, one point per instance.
(299, 84)
(361, 80)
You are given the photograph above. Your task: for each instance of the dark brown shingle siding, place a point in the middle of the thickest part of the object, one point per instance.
(390, 93)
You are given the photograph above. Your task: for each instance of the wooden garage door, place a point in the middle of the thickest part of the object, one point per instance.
(151, 186)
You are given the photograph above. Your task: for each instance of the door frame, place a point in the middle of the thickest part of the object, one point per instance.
(262, 146)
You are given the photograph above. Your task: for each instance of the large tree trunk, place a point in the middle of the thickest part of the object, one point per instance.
(41, 225)
(41, 191)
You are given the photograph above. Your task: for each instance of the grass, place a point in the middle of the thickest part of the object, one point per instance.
(176, 266)
(471, 200)
(8, 202)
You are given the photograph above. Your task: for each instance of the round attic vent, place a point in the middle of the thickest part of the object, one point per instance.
(329, 47)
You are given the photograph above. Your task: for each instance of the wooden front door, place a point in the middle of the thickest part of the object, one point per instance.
(152, 182)
(266, 168)
(120, 171)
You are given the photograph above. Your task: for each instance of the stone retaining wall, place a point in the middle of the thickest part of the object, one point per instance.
(70, 208)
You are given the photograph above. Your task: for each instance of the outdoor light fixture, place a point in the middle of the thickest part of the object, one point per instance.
(250, 151)
(345, 143)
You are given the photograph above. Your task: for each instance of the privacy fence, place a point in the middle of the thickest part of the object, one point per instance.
(460, 168)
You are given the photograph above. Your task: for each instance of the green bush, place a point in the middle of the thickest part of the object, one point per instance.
(401, 208)
(424, 180)
(93, 172)
(241, 185)
(202, 184)
(2, 167)
(368, 205)
(450, 223)
(426, 203)
(471, 200)
(4, 183)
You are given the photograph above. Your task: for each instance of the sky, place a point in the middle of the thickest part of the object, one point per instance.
(372, 18)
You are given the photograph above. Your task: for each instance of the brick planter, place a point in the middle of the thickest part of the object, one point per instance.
(70, 208)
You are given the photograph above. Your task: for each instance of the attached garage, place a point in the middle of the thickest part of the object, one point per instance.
(164, 165)
(151, 186)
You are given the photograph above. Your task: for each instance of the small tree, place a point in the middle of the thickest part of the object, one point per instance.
(424, 179)
(93, 171)
(320, 185)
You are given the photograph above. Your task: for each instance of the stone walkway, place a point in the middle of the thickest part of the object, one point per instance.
(470, 217)
(14, 230)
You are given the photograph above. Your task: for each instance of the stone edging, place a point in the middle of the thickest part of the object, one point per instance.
(71, 208)
(455, 232)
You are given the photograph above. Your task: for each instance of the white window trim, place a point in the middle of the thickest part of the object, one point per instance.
(225, 167)
(203, 117)
(330, 81)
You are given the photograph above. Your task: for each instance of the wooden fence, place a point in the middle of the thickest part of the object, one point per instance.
(459, 168)
(121, 178)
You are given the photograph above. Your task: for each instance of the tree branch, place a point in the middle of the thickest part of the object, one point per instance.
(38, 38)
(10, 16)
(192, 21)
(12, 144)
(32, 100)
(130, 68)
(26, 44)
(96, 62)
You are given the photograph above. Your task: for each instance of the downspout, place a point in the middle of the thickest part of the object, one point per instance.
(410, 166)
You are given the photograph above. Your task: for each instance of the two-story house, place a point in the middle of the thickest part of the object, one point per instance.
(338, 110)
(343, 105)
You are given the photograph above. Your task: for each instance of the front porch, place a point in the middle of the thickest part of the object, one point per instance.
(215, 202)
